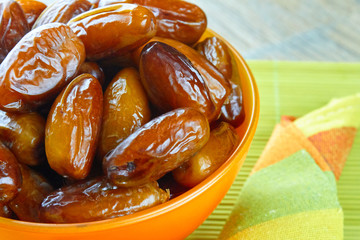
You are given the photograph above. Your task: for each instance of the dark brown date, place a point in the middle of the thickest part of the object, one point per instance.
(62, 11)
(6, 212)
(126, 108)
(222, 143)
(93, 69)
(156, 148)
(24, 134)
(40, 65)
(114, 30)
(233, 111)
(13, 26)
(34, 188)
(179, 20)
(171, 80)
(98, 200)
(10, 175)
(73, 127)
(32, 10)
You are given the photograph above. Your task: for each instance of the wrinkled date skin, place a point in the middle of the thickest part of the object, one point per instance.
(24, 134)
(62, 11)
(158, 147)
(94, 69)
(73, 127)
(126, 108)
(13, 26)
(217, 52)
(40, 65)
(179, 20)
(114, 30)
(97, 199)
(171, 81)
(26, 204)
(222, 142)
(32, 10)
(10, 175)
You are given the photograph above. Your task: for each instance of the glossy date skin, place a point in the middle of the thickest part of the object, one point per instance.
(32, 10)
(62, 11)
(73, 127)
(6, 212)
(39, 66)
(222, 142)
(126, 108)
(171, 81)
(114, 30)
(156, 148)
(24, 134)
(179, 20)
(10, 175)
(13, 26)
(233, 111)
(98, 199)
(34, 188)
(94, 69)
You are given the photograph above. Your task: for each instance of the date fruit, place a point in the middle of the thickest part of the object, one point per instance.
(62, 11)
(13, 26)
(114, 30)
(39, 66)
(233, 111)
(93, 69)
(32, 10)
(156, 148)
(97, 199)
(73, 127)
(24, 134)
(126, 108)
(222, 142)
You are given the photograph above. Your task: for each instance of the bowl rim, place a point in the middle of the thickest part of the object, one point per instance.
(170, 205)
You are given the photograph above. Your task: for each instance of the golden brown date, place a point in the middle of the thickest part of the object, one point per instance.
(62, 11)
(10, 175)
(179, 20)
(114, 30)
(216, 52)
(13, 26)
(32, 10)
(34, 188)
(73, 127)
(171, 81)
(222, 142)
(97, 199)
(24, 134)
(40, 65)
(94, 69)
(156, 148)
(126, 108)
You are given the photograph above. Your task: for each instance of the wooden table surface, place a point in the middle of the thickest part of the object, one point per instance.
(306, 30)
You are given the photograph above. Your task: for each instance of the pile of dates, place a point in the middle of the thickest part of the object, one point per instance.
(109, 107)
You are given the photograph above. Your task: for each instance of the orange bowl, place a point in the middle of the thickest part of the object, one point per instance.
(175, 219)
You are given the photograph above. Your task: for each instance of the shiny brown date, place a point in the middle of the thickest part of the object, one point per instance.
(94, 69)
(10, 175)
(32, 10)
(114, 30)
(6, 212)
(13, 26)
(73, 127)
(171, 81)
(40, 65)
(222, 142)
(156, 148)
(216, 52)
(179, 20)
(126, 108)
(24, 134)
(233, 111)
(34, 188)
(98, 200)
(62, 11)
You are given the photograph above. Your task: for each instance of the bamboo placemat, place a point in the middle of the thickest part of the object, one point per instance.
(296, 88)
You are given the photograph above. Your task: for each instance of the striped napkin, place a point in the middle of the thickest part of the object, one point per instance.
(291, 193)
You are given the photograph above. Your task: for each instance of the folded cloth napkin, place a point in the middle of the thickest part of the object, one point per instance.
(291, 193)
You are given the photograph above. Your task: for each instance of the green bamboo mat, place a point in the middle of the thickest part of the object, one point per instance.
(296, 88)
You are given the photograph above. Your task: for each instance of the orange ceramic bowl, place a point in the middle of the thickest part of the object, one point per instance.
(175, 219)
